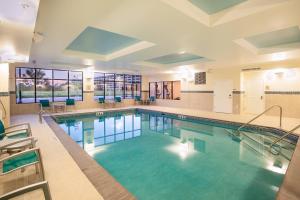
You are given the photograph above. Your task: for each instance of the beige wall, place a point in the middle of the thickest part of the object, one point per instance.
(200, 96)
(282, 87)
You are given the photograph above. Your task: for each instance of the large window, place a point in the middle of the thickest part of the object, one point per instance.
(110, 85)
(165, 90)
(33, 85)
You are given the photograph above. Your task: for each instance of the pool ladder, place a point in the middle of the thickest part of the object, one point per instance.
(280, 125)
(259, 115)
(281, 138)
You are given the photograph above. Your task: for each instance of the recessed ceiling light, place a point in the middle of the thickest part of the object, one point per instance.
(279, 56)
(182, 52)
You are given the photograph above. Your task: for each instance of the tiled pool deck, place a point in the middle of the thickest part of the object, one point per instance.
(67, 179)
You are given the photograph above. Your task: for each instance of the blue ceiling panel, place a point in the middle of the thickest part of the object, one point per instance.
(276, 38)
(214, 6)
(174, 58)
(93, 40)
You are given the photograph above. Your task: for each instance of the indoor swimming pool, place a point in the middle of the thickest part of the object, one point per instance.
(166, 156)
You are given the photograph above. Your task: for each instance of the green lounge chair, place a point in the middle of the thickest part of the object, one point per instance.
(29, 188)
(11, 146)
(137, 99)
(70, 103)
(118, 99)
(152, 100)
(15, 131)
(45, 104)
(101, 101)
(20, 161)
(15, 138)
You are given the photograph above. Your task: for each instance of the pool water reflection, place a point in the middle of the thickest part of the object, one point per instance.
(160, 157)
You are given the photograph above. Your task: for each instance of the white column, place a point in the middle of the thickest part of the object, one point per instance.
(4, 93)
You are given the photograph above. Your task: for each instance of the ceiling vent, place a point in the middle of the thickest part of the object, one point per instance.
(251, 69)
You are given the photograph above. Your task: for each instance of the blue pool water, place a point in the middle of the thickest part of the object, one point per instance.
(160, 157)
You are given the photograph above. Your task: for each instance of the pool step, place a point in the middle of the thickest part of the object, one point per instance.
(261, 142)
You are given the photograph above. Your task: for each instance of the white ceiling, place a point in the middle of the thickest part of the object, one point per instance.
(17, 22)
(171, 29)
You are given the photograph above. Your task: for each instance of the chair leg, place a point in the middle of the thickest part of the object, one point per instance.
(37, 169)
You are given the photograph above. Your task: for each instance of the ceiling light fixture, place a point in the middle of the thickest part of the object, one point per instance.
(279, 56)
(27, 4)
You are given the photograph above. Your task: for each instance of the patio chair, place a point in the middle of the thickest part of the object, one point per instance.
(29, 188)
(20, 161)
(15, 138)
(137, 100)
(15, 131)
(152, 99)
(101, 101)
(45, 105)
(11, 146)
(118, 100)
(70, 103)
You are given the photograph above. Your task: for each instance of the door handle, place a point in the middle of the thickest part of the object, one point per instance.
(261, 97)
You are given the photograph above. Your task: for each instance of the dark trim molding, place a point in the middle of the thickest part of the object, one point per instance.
(4, 94)
(283, 92)
(238, 92)
(197, 91)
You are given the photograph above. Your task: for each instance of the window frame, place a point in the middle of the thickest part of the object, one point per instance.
(35, 79)
(163, 91)
(127, 79)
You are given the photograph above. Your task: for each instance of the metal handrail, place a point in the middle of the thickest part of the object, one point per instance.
(284, 136)
(268, 109)
(3, 109)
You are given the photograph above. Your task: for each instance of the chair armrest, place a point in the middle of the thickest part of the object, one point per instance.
(29, 188)
(17, 141)
(17, 131)
(26, 125)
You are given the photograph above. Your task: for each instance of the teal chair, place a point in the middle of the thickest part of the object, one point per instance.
(101, 100)
(15, 138)
(70, 103)
(118, 99)
(19, 161)
(152, 99)
(137, 99)
(45, 104)
(15, 131)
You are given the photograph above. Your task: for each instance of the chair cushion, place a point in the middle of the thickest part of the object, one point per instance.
(152, 98)
(70, 102)
(101, 100)
(19, 161)
(118, 99)
(45, 103)
(19, 135)
(137, 98)
(2, 135)
(2, 129)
